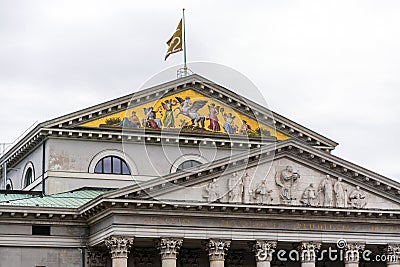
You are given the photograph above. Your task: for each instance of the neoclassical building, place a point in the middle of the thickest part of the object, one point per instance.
(190, 174)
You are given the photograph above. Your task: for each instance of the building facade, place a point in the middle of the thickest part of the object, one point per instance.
(188, 173)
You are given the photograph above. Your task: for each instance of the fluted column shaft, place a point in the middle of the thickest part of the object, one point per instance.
(169, 249)
(119, 247)
(217, 249)
(309, 250)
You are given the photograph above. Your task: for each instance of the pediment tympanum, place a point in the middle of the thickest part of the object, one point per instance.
(287, 183)
(187, 111)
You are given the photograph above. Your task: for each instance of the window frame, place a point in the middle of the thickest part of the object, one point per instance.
(28, 167)
(121, 163)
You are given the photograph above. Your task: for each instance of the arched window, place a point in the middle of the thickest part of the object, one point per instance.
(28, 178)
(112, 165)
(188, 164)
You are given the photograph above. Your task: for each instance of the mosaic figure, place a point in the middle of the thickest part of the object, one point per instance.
(169, 121)
(151, 121)
(191, 110)
(213, 116)
(134, 120)
(244, 128)
(229, 126)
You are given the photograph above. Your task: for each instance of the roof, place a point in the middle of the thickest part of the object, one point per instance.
(73, 199)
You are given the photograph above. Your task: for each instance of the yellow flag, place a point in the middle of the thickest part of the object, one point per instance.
(175, 42)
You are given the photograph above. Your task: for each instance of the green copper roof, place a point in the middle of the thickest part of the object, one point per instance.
(73, 199)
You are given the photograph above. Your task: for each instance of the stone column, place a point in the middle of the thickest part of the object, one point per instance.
(169, 249)
(96, 258)
(119, 247)
(217, 249)
(352, 254)
(263, 251)
(308, 253)
(393, 255)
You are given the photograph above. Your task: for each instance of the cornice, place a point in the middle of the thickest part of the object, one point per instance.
(227, 210)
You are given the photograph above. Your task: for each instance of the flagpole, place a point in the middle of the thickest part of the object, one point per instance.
(184, 43)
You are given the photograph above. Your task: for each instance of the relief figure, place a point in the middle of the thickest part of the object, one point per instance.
(287, 179)
(326, 187)
(309, 197)
(212, 191)
(357, 198)
(261, 193)
(340, 194)
(235, 186)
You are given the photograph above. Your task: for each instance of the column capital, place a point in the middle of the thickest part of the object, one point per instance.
(119, 246)
(393, 254)
(96, 258)
(169, 247)
(217, 248)
(352, 252)
(263, 249)
(309, 250)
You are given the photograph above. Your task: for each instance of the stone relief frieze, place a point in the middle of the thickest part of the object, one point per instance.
(285, 183)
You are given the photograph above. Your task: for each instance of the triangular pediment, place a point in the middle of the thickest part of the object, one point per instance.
(288, 175)
(237, 113)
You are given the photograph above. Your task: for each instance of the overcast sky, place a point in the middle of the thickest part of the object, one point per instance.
(332, 66)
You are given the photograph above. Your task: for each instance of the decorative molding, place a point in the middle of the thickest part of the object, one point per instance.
(169, 247)
(217, 249)
(119, 246)
(263, 249)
